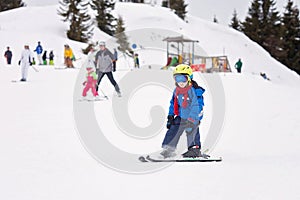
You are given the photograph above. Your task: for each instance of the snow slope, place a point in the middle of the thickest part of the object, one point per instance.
(214, 39)
(44, 157)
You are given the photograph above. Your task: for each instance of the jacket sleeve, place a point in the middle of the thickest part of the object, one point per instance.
(110, 55)
(171, 107)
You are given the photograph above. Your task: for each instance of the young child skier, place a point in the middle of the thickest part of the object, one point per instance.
(44, 58)
(91, 80)
(51, 58)
(185, 113)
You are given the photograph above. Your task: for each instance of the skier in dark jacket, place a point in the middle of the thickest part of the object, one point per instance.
(51, 58)
(115, 60)
(238, 66)
(44, 57)
(8, 55)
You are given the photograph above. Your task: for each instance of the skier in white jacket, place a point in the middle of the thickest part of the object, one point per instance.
(25, 62)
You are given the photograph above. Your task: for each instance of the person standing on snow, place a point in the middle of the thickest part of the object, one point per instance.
(51, 58)
(91, 79)
(136, 61)
(69, 56)
(44, 57)
(104, 66)
(115, 60)
(185, 114)
(25, 62)
(39, 51)
(8, 56)
(238, 66)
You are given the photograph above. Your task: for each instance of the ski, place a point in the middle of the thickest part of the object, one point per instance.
(61, 68)
(200, 159)
(18, 81)
(103, 98)
(58, 68)
(142, 159)
(35, 69)
(97, 99)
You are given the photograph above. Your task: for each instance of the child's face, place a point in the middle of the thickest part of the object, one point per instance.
(182, 84)
(181, 80)
(89, 70)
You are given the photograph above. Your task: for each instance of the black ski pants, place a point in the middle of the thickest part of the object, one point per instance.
(110, 77)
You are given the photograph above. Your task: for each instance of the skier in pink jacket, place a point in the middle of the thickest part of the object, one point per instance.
(91, 80)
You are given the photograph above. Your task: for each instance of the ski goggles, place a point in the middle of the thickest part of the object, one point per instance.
(181, 78)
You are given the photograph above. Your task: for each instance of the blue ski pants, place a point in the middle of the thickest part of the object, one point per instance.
(173, 135)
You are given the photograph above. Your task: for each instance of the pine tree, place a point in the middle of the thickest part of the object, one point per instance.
(10, 4)
(165, 3)
(291, 36)
(179, 6)
(75, 11)
(263, 26)
(235, 23)
(120, 34)
(252, 26)
(271, 29)
(105, 20)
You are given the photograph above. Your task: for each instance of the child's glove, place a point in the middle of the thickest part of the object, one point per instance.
(84, 83)
(170, 121)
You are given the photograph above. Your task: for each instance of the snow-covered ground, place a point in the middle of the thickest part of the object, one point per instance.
(43, 156)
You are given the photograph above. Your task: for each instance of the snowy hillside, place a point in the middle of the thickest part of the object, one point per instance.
(46, 155)
(214, 39)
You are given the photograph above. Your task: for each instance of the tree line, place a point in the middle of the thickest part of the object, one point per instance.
(279, 34)
(10, 4)
(76, 13)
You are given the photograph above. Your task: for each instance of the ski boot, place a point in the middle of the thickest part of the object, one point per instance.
(193, 152)
(119, 94)
(168, 152)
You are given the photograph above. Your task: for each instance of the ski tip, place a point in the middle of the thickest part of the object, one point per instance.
(142, 159)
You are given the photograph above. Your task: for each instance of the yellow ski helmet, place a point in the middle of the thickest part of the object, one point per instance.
(183, 69)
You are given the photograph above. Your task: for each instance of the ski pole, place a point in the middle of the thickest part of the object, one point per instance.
(35, 69)
(103, 93)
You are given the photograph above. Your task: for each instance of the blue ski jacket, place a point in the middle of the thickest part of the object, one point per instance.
(39, 49)
(194, 110)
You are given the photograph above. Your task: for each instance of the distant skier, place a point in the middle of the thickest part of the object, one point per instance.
(136, 61)
(238, 66)
(104, 66)
(115, 60)
(25, 62)
(185, 113)
(33, 61)
(91, 80)
(8, 55)
(44, 57)
(39, 51)
(69, 56)
(264, 76)
(51, 58)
